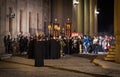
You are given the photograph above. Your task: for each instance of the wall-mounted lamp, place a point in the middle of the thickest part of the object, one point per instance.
(11, 15)
(75, 2)
(97, 12)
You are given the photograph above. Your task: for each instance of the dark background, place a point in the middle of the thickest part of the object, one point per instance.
(106, 16)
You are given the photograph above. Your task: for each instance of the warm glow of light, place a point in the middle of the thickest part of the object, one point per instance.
(75, 2)
(97, 12)
(49, 27)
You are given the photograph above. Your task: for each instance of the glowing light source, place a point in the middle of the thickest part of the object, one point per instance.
(75, 2)
(97, 12)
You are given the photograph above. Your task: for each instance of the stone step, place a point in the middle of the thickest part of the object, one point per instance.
(109, 58)
(110, 55)
(112, 47)
(5, 56)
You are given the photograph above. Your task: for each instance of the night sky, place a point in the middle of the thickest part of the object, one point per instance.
(106, 16)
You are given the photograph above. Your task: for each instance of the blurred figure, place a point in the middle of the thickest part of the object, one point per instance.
(9, 44)
(21, 44)
(5, 44)
(31, 48)
(14, 46)
(95, 45)
(85, 44)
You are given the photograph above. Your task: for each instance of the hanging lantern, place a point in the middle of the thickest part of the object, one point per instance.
(58, 28)
(68, 26)
(49, 26)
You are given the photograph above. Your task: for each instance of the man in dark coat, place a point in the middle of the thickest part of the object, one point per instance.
(9, 44)
(5, 43)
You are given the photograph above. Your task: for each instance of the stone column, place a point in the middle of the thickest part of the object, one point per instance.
(0, 28)
(40, 13)
(38, 22)
(3, 27)
(21, 16)
(93, 17)
(80, 19)
(86, 17)
(0, 16)
(10, 21)
(59, 11)
(74, 17)
(30, 27)
(11, 13)
(117, 28)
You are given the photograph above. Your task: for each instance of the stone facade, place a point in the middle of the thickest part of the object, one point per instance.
(29, 16)
(61, 9)
(84, 18)
(23, 16)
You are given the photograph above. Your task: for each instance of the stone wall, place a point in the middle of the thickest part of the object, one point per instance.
(61, 9)
(29, 17)
(46, 15)
(2, 23)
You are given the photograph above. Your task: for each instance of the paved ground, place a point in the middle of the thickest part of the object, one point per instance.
(67, 66)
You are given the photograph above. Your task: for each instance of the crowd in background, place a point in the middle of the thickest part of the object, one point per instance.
(86, 44)
(77, 44)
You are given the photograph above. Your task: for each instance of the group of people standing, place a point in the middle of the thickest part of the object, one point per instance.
(76, 44)
(86, 44)
(16, 45)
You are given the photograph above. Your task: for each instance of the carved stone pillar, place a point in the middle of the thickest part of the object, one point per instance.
(80, 17)
(86, 17)
(117, 28)
(60, 11)
(21, 16)
(30, 25)
(10, 21)
(38, 22)
(91, 17)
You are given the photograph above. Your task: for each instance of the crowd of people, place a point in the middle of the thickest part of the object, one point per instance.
(86, 44)
(76, 44)
(18, 45)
